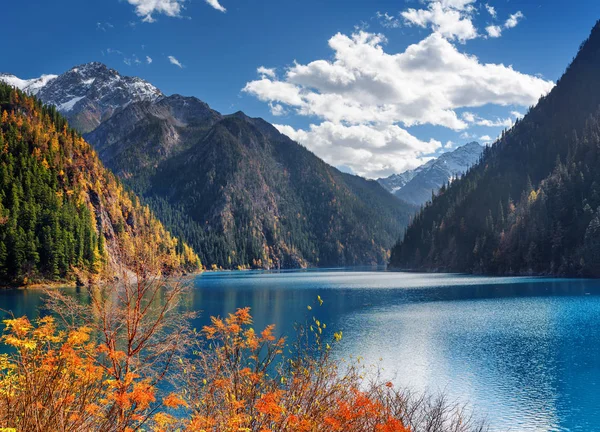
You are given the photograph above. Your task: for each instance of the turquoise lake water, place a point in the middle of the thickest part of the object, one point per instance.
(524, 353)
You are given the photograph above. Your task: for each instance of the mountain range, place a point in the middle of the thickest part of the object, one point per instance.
(532, 204)
(416, 186)
(233, 187)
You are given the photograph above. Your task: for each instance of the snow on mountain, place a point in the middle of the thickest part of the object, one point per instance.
(395, 182)
(31, 86)
(415, 186)
(87, 94)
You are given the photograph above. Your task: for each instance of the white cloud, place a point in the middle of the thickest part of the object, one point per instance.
(513, 20)
(145, 8)
(374, 151)
(215, 4)
(485, 138)
(277, 109)
(266, 72)
(174, 61)
(474, 119)
(148, 59)
(388, 21)
(423, 85)
(494, 31)
(491, 10)
(449, 18)
(362, 100)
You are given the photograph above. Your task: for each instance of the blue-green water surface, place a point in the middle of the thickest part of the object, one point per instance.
(522, 352)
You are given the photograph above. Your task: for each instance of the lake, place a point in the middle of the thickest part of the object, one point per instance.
(523, 352)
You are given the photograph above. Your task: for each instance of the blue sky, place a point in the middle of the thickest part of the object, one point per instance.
(336, 76)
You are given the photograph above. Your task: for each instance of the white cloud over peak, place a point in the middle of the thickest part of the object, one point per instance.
(374, 151)
(146, 8)
(215, 4)
(174, 61)
(422, 85)
(363, 100)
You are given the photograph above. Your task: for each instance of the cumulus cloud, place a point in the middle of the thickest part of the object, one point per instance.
(513, 20)
(277, 109)
(450, 18)
(363, 100)
(174, 61)
(146, 8)
(215, 4)
(494, 31)
(148, 59)
(374, 151)
(266, 72)
(423, 85)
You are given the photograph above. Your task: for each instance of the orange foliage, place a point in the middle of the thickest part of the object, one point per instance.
(240, 381)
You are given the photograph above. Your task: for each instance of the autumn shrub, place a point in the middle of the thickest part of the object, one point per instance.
(102, 365)
(239, 379)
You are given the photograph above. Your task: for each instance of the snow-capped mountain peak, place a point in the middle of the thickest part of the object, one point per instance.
(415, 186)
(87, 94)
(31, 86)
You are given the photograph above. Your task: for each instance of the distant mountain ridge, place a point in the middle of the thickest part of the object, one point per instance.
(239, 192)
(416, 186)
(87, 94)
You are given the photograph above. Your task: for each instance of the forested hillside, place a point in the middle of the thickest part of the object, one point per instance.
(532, 205)
(62, 214)
(244, 195)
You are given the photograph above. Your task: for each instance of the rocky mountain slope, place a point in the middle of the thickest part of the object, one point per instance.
(87, 94)
(532, 205)
(244, 195)
(233, 187)
(62, 214)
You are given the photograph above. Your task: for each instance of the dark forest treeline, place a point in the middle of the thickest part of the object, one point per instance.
(61, 212)
(532, 204)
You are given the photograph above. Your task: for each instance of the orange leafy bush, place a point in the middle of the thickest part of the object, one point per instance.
(106, 374)
(240, 381)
